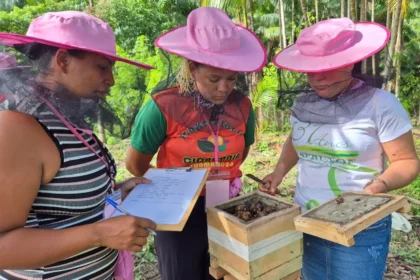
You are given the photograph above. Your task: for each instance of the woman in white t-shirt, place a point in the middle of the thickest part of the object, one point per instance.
(342, 135)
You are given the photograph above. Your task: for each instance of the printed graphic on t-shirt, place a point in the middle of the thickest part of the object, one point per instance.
(334, 154)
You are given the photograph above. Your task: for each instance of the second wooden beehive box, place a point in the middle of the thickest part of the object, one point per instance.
(266, 248)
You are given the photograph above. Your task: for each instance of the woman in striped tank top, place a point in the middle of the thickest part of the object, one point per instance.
(54, 173)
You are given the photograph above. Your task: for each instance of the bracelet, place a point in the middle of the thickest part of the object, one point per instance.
(379, 180)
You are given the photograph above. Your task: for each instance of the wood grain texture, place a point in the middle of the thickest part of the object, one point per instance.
(343, 234)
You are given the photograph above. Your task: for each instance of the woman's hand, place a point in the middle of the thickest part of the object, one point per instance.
(377, 186)
(273, 180)
(124, 233)
(127, 185)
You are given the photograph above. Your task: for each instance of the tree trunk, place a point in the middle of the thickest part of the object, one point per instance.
(373, 56)
(418, 116)
(398, 59)
(394, 32)
(349, 5)
(343, 3)
(292, 37)
(353, 10)
(283, 24)
(251, 16)
(316, 11)
(363, 18)
(388, 14)
(101, 130)
(91, 4)
(305, 12)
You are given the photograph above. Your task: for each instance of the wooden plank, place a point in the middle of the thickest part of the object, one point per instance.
(276, 258)
(255, 231)
(282, 271)
(343, 234)
(226, 258)
(220, 221)
(229, 277)
(273, 224)
(294, 276)
(218, 272)
(322, 230)
(229, 261)
(372, 217)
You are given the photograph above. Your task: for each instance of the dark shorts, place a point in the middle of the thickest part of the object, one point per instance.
(184, 255)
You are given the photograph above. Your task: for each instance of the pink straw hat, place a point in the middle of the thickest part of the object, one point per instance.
(332, 44)
(8, 62)
(71, 30)
(211, 38)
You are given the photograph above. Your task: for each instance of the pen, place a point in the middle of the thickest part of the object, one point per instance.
(122, 210)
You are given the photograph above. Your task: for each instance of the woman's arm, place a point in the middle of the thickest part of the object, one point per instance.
(245, 153)
(404, 165)
(24, 167)
(286, 162)
(137, 163)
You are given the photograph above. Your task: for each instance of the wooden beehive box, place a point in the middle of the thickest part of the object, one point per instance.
(266, 248)
(339, 219)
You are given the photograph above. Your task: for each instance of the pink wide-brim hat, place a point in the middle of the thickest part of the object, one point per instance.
(71, 30)
(9, 62)
(211, 38)
(332, 44)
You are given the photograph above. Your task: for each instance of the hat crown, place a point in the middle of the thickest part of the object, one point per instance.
(210, 29)
(7, 61)
(75, 29)
(326, 37)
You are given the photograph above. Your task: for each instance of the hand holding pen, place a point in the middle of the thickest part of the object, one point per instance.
(123, 211)
(125, 232)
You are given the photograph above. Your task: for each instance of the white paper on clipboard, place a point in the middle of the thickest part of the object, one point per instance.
(217, 188)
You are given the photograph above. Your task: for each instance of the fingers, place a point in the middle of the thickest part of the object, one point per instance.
(136, 249)
(141, 180)
(146, 223)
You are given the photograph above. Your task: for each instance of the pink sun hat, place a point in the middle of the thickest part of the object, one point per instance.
(332, 44)
(9, 62)
(71, 30)
(211, 38)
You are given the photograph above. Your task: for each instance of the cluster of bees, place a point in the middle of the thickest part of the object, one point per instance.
(253, 209)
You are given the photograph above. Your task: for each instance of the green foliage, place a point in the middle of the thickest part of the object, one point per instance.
(18, 19)
(133, 18)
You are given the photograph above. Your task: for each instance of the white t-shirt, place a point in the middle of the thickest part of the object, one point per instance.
(335, 158)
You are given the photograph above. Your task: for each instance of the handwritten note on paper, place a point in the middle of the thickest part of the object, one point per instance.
(167, 198)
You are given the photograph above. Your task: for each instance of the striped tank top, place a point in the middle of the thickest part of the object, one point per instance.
(74, 197)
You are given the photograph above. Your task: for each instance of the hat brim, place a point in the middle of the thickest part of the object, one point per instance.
(250, 57)
(13, 39)
(371, 38)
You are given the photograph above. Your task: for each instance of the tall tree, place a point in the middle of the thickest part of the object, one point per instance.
(305, 12)
(353, 10)
(316, 11)
(343, 3)
(283, 41)
(363, 18)
(394, 32)
(373, 56)
(349, 7)
(292, 36)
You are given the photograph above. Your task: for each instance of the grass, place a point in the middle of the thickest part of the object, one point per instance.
(261, 161)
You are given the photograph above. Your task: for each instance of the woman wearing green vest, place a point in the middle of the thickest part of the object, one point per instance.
(203, 122)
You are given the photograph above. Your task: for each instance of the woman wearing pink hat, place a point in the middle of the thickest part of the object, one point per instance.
(55, 173)
(203, 122)
(343, 133)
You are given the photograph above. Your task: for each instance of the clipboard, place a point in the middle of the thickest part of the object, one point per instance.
(164, 198)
